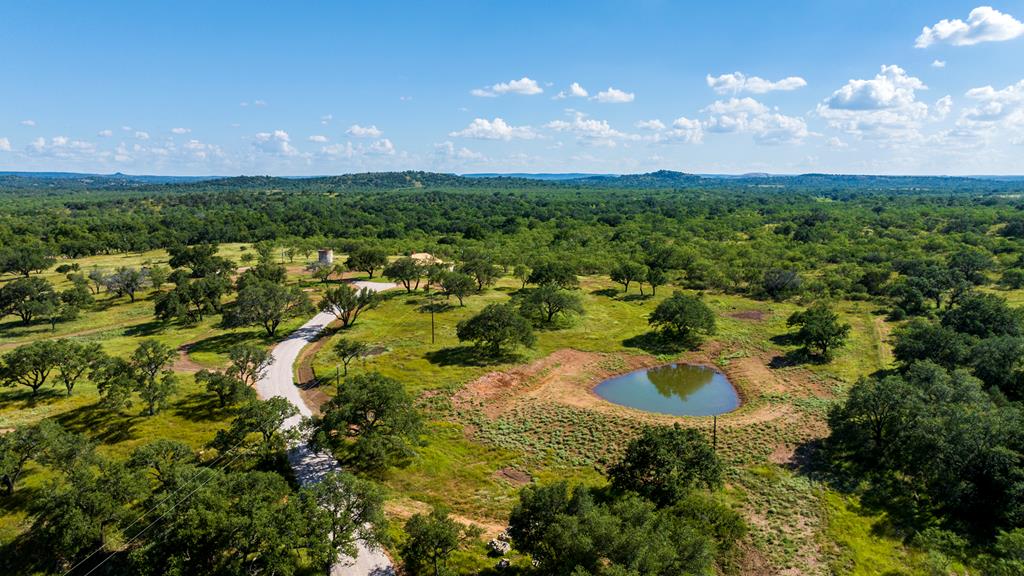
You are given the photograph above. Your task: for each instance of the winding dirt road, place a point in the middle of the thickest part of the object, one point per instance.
(309, 466)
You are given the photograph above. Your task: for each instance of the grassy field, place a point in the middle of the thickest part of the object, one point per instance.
(799, 529)
(476, 454)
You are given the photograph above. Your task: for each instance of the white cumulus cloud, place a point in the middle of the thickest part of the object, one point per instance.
(590, 131)
(1004, 106)
(496, 129)
(141, 135)
(890, 88)
(651, 124)
(738, 82)
(942, 107)
(448, 151)
(747, 115)
(5, 145)
(614, 96)
(364, 131)
(382, 146)
(524, 86)
(984, 24)
(575, 91)
(686, 130)
(29, 123)
(339, 150)
(105, 133)
(318, 138)
(277, 143)
(938, 63)
(883, 107)
(180, 130)
(62, 147)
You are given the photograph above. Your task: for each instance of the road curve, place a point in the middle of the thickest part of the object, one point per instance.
(309, 466)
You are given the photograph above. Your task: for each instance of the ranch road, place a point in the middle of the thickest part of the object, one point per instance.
(309, 466)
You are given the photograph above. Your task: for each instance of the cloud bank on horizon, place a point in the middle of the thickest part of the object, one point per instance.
(816, 90)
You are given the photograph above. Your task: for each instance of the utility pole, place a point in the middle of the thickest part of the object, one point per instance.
(431, 317)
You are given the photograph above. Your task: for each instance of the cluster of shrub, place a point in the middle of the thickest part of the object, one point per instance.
(938, 442)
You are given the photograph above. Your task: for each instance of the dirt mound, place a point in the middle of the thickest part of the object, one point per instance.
(562, 376)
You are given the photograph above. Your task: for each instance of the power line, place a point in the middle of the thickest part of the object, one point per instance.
(167, 497)
(151, 524)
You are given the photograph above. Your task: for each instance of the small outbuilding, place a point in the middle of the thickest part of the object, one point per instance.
(325, 256)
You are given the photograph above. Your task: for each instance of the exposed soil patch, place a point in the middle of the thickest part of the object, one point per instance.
(184, 363)
(782, 454)
(562, 377)
(568, 376)
(306, 379)
(882, 331)
(753, 562)
(404, 509)
(513, 476)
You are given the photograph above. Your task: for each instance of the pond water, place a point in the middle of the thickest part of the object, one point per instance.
(677, 389)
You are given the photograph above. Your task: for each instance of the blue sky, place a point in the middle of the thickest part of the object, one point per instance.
(329, 87)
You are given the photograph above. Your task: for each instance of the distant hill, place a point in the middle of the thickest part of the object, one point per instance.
(659, 179)
(536, 176)
(75, 180)
(662, 179)
(367, 180)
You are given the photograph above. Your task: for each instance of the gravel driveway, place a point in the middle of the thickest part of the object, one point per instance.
(309, 466)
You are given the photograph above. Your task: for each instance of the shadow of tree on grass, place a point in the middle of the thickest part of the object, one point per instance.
(660, 344)
(145, 329)
(636, 297)
(46, 395)
(97, 422)
(221, 343)
(199, 407)
(439, 307)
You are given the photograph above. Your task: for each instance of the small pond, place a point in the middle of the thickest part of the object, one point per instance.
(677, 389)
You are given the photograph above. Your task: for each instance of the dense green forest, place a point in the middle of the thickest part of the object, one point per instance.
(933, 439)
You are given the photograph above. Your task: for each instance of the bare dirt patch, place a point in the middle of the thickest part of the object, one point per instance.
(753, 562)
(782, 454)
(567, 377)
(306, 379)
(513, 476)
(564, 376)
(882, 332)
(184, 363)
(404, 509)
